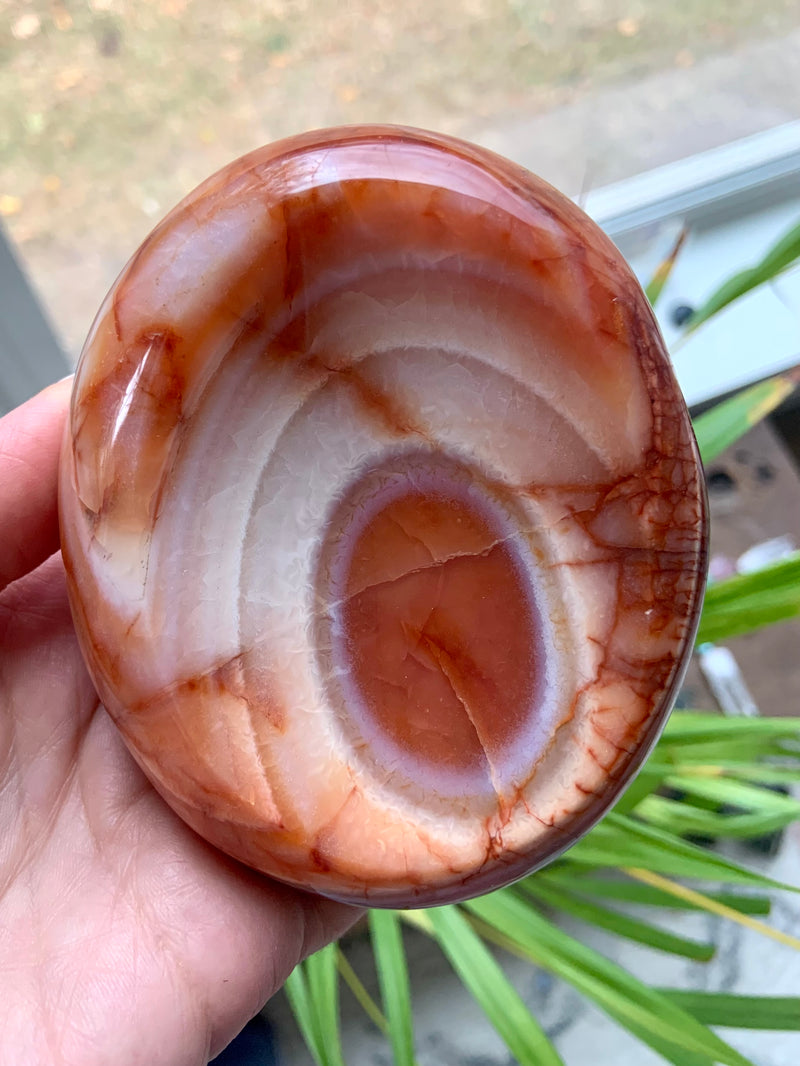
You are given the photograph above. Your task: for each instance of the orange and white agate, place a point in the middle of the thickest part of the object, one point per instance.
(382, 516)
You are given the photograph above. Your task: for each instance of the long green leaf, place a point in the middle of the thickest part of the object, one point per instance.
(750, 750)
(721, 426)
(609, 985)
(694, 727)
(323, 994)
(296, 989)
(739, 1012)
(390, 959)
(705, 903)
(754, 771)
(614, 922)
(655, 286)
(746, 602)
(622, 841)
(617, 888)
(737, 793)
(700, 759)
(668, 1050)
(360, 993)
(681, 818)
(498, 998)
(783, 254)
(646, 781)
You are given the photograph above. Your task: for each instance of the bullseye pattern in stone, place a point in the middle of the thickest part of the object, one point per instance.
(382, 516)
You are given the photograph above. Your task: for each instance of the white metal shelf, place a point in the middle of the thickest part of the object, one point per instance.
(737, 200)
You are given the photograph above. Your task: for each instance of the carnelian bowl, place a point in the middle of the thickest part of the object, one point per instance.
(382, 516)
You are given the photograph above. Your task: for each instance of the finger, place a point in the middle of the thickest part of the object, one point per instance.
(30, 442)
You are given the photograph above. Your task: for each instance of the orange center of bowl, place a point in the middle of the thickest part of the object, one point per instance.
(434, 631)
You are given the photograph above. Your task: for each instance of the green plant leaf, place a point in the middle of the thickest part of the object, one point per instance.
(782, 255)
(661, 275)
(747, 602)
(361, 995)
(754, 751)
(753, 771)
(390, 959)
(622, 995)
(323, 989)
(626, 891)
(296, 989)
(620, 841)
(722, 425)
(673, 1053)
(313, 994)
(739, 1012)
(681, 818)
(694, 727)
(646, 781)
(498, 998)
(736, 793)
(614, 922)
(705, 903)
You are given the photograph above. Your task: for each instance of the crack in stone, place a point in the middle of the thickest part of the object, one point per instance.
(442, 659)
(334, 605)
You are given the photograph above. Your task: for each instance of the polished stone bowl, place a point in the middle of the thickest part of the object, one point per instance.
(382, 515)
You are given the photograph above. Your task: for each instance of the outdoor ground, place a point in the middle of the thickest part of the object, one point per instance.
(111, 110)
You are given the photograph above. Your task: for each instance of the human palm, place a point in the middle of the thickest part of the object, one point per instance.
(124, 938)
